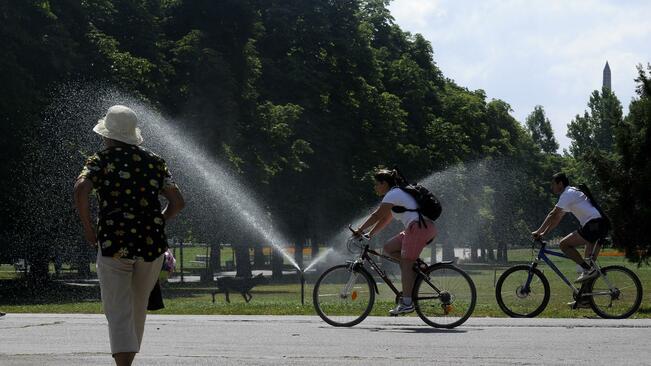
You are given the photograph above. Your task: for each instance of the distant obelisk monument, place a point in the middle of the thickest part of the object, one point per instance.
(606, 82)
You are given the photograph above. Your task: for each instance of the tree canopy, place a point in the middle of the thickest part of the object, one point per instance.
(304, 99)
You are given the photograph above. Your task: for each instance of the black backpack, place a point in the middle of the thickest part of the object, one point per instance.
(428, 205)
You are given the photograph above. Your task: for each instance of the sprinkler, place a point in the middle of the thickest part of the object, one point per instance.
(301, 276)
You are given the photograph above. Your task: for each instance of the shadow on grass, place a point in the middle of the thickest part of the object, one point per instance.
(17, 292)
(645, 310)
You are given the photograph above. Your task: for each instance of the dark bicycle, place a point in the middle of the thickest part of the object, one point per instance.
(523, 290)
(444, 295)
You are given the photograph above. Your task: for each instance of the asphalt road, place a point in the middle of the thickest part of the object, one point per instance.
(76, 339)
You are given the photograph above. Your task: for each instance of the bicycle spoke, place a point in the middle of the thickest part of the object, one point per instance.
(343, 297)
(448, 300)
(517, 299)
(616, 294)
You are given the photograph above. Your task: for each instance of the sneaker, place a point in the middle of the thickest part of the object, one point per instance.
(586, 275)
(402, 309)
(582, 304)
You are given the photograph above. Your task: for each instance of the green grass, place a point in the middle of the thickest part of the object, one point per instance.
(284, 299)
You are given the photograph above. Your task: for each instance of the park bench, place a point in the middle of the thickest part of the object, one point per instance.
(200, 259)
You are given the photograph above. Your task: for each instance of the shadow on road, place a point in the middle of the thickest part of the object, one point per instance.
(414, 330)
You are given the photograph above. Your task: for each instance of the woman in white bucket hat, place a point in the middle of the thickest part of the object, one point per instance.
(130, 230)
(120, 124)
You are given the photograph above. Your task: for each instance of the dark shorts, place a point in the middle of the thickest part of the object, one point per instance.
(594, 230)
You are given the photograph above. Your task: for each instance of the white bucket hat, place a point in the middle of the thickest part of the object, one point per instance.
(120, 123)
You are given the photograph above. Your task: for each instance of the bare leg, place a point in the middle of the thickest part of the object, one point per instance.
(568, 246)
(392, 247)
(408, 276)
(592, 250)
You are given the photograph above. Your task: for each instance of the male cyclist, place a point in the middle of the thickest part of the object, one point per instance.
(594, 224)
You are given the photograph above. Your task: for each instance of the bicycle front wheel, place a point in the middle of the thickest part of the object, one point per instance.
(617, 294)
(343, 296)
(518, 299)
(446, 297)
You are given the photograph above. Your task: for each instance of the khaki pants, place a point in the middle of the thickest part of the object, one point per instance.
(125, 285)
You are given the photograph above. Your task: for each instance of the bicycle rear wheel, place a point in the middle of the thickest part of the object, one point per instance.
(446, 297)
(343, 297)
(518, 300)
(617, 294)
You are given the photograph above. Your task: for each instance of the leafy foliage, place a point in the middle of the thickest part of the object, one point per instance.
(541, 130)
(304, 98)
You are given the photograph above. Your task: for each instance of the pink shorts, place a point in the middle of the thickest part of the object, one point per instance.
(414, 239)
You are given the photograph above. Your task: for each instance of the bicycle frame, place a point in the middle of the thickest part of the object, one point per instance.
(542, 255)
(365, 256)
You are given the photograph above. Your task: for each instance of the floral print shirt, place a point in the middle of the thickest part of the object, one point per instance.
(127, 181)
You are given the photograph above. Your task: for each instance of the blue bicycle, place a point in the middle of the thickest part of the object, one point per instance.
(523, 290)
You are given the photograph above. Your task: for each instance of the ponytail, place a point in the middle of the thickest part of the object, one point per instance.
(400, 179)
(584, 188)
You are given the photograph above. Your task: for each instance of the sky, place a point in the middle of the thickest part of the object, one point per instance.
(527, 53)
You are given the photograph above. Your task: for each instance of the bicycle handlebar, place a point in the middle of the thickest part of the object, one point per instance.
(364, 236)
(540, 240)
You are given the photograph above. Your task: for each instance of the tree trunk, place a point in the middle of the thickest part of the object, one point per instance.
(315, 248)
(258, 257)
(242, 261)
(215, 257)
(81, 259)
(432, 256)
(448, 251)
(491, 255)
(314, 244)
(473, 253)
(38, 275)
(277, 260)
(502, 256)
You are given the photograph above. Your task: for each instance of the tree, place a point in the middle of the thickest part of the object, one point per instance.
(594, 130)
(626, 175)
(593, 135)
(541, 130)
(301, 98)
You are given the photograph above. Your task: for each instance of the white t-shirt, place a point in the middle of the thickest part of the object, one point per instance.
(574, 201)
(398, 197)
